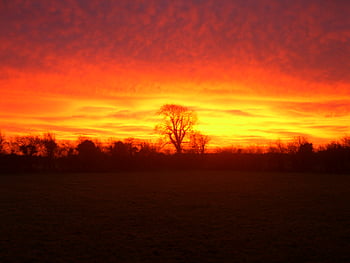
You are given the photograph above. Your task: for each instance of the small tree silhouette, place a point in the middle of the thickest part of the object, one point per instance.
(88, 154)
(2, 142)
(87, 149)
(50, 146)
(198, 142)
(118, 150)
(304, 154)
(49, 143)
(28, 145)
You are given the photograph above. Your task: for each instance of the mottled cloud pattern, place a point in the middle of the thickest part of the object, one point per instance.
(250, 62)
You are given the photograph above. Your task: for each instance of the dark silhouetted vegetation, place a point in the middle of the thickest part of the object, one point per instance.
(45, 153)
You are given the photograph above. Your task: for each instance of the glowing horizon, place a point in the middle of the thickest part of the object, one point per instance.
(254, 72)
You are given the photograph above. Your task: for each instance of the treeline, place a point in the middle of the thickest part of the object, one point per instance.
(45, 153)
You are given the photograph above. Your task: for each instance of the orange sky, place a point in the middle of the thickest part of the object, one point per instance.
(254, 71)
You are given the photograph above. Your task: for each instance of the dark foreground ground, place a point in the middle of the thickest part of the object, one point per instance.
(175, 217)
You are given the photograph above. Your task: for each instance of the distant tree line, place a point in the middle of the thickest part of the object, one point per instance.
(45, 153)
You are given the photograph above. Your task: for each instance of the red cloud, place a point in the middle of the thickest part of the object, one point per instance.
(297, 37)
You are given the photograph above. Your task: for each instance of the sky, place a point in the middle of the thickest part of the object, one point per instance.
(254, 71)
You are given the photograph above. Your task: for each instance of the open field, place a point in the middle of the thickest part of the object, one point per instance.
(175, 217)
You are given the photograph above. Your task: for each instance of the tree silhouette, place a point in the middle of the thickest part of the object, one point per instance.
(177, 123)
(346, 141)
(2, 142)
(304, 154)
(49, 143)
(198, 142)
(50, 148)
(87, 149)
(28, 145)
(121, 149)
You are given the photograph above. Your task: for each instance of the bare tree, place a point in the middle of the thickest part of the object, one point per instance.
(279, 147)
(199, 142)
(177, 123)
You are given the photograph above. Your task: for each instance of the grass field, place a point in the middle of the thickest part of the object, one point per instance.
(175, 217)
